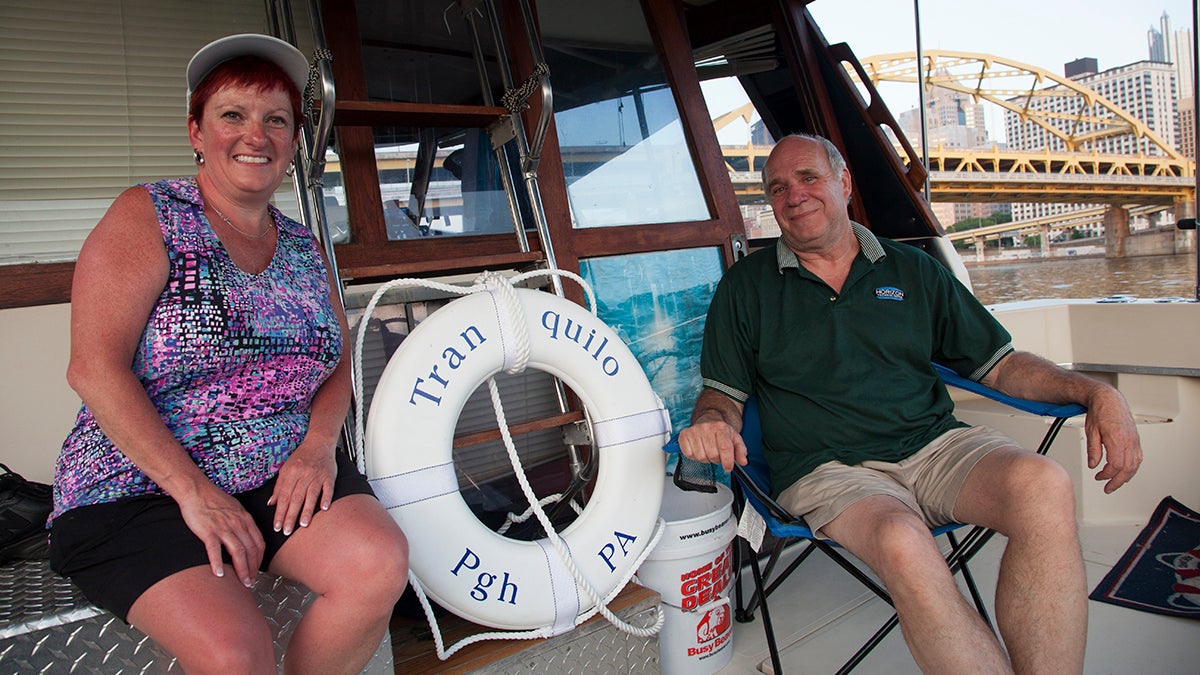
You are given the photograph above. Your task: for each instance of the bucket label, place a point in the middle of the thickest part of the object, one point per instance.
(707, 582)
(712, 632)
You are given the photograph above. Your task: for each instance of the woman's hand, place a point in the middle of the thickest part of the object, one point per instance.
(305, 483)
(220, 522)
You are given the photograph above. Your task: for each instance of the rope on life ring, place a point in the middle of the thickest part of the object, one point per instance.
(542, 588)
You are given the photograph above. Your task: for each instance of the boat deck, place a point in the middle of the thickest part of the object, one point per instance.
(822, 615)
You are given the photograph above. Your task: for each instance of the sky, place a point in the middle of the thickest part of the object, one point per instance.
(1044, 33)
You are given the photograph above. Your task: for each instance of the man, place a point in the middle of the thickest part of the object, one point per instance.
(834, 330)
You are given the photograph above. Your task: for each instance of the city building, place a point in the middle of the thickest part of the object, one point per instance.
(953, 119)
(1187, 126)
(1177, 48)
(1144, 89)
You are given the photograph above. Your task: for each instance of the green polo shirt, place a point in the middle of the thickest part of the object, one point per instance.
(846, 377)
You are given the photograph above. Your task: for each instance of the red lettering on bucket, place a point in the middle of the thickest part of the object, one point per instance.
(706, 583)
(696, 572)
(707, 650)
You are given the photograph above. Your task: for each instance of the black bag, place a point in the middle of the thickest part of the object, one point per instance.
(24, 507)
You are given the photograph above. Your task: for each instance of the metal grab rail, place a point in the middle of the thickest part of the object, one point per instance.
(314, 141)
(542, 76)
(323, 128)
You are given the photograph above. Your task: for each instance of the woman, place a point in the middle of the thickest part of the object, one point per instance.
(207, 347)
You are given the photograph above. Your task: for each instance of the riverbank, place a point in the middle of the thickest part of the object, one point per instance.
(1034, 257)
(1160, 241)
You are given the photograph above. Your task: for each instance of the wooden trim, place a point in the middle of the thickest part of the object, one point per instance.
(381, 113)
(645, 238)
(380, 271)
(340, 19)
(360, 180)
(531, 426)
(371, 255)
(800, 37)
(674, 51)
(35, 284)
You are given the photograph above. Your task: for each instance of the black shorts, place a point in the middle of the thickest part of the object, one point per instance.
(114, 552)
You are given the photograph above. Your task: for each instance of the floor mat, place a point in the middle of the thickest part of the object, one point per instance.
(1160, 572)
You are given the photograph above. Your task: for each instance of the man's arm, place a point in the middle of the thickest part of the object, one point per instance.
(1111, 432)
(714, 436)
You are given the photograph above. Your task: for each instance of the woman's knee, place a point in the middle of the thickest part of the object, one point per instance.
(376, 565)
(388, 562)
(225, 647)
(243, 654)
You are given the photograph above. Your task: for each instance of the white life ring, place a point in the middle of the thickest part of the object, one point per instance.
(462, 565)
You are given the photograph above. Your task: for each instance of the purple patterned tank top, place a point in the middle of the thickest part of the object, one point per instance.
(231, 360)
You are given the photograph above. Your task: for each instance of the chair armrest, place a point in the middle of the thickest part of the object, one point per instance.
(763, 502)
(1058, 410)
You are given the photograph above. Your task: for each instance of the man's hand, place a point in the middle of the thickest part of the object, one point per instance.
(1112, 436)
(713, 442)
(714, 437)
(1111, 432)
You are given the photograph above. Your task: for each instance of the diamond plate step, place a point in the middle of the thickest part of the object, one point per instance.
(47, 626)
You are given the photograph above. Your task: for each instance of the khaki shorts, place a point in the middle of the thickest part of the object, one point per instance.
(928, 481)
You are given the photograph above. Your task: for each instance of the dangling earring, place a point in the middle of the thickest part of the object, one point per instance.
(291, 170)
(199, 157)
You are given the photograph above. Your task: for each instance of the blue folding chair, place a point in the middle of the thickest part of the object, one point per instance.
(752, 486)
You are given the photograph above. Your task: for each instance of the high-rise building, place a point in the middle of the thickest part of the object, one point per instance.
(1154, 43)
(1178, 49)
(1145, 89)
(953, 119)
(1183, 57)
(1187, 127)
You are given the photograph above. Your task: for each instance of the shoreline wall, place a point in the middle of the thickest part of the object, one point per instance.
(1135, 245)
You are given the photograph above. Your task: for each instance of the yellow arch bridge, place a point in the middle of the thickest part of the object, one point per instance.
(1157, 176)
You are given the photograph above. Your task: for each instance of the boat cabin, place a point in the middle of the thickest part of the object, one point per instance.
(447, 139)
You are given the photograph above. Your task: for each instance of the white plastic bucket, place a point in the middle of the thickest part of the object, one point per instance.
(692, 569)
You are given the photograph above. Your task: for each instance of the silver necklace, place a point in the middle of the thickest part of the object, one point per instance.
(238, 229)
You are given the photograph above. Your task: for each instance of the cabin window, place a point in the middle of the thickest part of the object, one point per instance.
(624, 155)
(657, 303)
(93, 96)
(433, 182)
(745, 144)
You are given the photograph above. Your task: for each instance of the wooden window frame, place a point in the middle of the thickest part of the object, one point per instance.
(371, 256)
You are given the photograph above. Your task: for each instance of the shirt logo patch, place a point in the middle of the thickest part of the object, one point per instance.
(889, 293)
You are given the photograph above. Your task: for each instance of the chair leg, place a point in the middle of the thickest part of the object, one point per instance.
(778, 579)
(768, 629)
(869, 645)
(854, 571)
(760, 590)
(1048, 439)
(969, 579)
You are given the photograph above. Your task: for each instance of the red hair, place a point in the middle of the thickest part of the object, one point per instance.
(254, 72)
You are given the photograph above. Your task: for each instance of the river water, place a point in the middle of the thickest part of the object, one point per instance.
(1144, 277)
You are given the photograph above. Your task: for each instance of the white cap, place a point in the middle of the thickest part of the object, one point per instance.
(273, 49)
